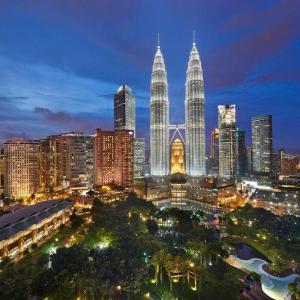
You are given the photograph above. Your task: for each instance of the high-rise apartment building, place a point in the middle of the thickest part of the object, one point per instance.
(66, 160)
(113, 157)
(139, 157)
(262, 144)
(227, 140)
(21, 168)
(124, 109)
(159, 117)
(194, 116)
(241, 153)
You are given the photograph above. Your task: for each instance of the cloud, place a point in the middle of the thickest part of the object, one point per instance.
(272, 32)
(64, 118)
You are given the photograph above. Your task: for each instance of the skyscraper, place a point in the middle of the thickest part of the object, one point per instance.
(262, 145)
(227, 140)
(241, 153)
(124, 109)
(194, 116)
(159, 117)
(139, 157)
(21, 168)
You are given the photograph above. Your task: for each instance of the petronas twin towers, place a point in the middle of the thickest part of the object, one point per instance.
(194, 117)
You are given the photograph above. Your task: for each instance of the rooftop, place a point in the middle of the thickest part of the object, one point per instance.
(21, 219)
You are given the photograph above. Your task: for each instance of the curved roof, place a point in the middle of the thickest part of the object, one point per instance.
(24, 218)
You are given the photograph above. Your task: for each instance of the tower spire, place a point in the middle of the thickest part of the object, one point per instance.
(158, 45)
(194, 39)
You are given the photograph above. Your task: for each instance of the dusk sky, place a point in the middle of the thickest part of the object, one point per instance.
(61, 62)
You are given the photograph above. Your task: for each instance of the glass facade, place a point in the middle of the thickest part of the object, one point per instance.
(124, 109)
(262, 144)
(139, 157)
(227, 141)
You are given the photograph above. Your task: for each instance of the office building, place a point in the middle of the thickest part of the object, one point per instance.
(194, 116)
(262, 145)
(227, 141)
(124, 109)
(241, 153)
(214, 145)
(159, 117)
(139, 157)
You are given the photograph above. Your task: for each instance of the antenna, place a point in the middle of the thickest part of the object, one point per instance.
(158, 45)
(194, 39)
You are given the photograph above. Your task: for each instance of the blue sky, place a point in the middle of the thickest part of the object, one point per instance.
(61, 61)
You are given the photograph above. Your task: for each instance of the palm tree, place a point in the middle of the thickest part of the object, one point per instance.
(198, 250)
(158, 261)
(294, 289)
(169, 266)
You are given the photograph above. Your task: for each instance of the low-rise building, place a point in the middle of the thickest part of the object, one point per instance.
(33, 224)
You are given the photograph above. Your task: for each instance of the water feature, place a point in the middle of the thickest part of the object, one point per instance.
(273, 286)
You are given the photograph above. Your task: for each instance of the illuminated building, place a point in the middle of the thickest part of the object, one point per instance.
(177, 157)
(227, 141)
(104, 157)
(214, 191)
(139, 157)
(21, 229)
(214, 145)
(21, 168)
(67, 161)
(159, 117)
(194, 116)
(262, 145)
(123, 158)
(124, 109)
(288, 165)
(113, 157)
(241, 153)
(152, 188)
(249, 159)
(2, 170)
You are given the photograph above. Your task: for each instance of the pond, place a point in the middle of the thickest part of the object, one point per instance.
(245, 251)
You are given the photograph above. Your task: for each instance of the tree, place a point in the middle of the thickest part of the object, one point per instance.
(294, 289)
(91, 193)
(152, 226)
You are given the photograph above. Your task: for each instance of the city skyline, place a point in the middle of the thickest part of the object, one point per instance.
(56, 57)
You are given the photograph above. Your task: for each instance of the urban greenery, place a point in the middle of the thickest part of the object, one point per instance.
(131, 250)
